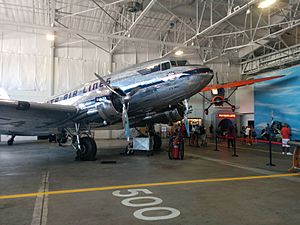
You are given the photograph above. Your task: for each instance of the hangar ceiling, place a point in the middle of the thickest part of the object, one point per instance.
(237, 29)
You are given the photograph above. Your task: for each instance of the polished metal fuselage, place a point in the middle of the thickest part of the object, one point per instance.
(156, 92)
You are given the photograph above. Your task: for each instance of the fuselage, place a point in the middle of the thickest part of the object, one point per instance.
(160, 82)
(159, 86)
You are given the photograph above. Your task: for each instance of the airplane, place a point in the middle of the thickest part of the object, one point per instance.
(143, 94)
(218, 91)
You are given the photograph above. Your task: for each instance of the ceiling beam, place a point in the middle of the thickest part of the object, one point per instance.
(226, 18)
(134, 23)
(216, 24)
(94, 36)
(84, 38)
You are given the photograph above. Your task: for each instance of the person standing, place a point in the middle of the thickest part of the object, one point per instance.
(248, 135)
(231, 135)
(202, 132)
(196, 135)
(285, 134)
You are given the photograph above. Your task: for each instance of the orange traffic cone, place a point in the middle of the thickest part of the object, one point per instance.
(295, 163)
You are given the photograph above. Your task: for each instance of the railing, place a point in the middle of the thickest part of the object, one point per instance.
(271, 61)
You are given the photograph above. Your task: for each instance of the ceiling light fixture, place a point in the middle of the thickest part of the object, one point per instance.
(266, 3)
(179, 52)
(50, 37)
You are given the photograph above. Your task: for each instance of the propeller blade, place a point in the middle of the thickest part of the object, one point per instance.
(107, 85)
(124, 111)
(125, 100)
(127, 128)
(186, 122)
(125, 121)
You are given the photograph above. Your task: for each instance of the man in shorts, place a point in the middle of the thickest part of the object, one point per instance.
(285, 134)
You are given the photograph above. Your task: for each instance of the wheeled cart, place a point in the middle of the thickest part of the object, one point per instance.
(140, 144)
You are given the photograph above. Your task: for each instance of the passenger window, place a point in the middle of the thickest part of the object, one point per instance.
(165, 66)
(150, 69)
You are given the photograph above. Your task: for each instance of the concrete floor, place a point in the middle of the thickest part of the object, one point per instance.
(40, 166)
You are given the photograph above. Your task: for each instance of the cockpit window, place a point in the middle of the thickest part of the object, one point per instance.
(179, 63)
(150, 69)
(165, 66)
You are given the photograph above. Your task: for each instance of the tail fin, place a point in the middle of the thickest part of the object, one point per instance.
(3, 94)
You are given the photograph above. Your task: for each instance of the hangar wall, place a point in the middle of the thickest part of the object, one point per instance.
(76, 64)
(25, 63)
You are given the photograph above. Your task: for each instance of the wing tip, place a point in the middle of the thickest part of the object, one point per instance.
(3, 94)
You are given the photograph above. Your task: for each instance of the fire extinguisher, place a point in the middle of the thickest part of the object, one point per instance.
(175, 149)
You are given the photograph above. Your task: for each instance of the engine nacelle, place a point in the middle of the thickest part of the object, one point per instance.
(103, 106)
(167, 117)
(175, 115)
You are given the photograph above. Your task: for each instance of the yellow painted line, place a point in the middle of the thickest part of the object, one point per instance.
(145, 185)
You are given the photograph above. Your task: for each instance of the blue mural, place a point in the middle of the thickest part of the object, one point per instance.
(278, 99)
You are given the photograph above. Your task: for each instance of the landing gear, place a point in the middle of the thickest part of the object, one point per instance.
(85, 146)
(11, 140)
(129, 149)
(87, 150)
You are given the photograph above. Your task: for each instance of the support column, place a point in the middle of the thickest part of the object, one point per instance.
(52, 69)
(110, 62)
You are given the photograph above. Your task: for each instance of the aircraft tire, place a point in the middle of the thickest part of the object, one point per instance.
(88, 149)
(10, 142)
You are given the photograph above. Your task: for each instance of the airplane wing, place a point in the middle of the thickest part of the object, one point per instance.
(3, 94)
(238, 83)
(24, 117)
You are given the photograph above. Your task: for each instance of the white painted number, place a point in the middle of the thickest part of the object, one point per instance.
(173, 213)
(127, 201)
(133, 192)
(139, 214)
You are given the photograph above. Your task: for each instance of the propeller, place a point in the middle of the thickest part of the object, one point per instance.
(125, 102)
(186, 122)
